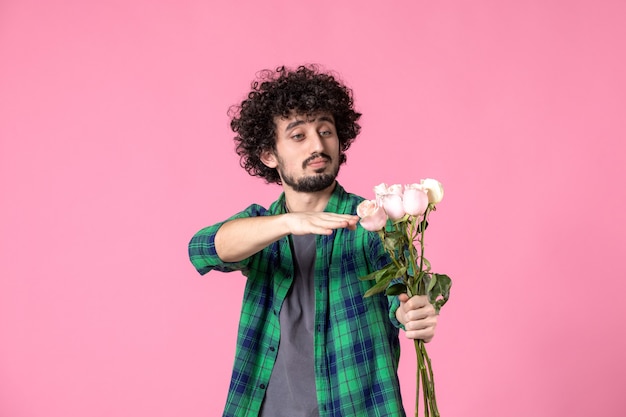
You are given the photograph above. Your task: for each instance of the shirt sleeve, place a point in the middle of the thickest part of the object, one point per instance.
(202, 253)
(394, 304)
(378, 260)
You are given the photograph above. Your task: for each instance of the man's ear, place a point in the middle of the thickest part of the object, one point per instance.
(268, 158)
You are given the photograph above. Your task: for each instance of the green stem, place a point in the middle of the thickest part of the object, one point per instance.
(391, 253)
(419, 377)
(410, 238)
(433, 396)
(421, 241)
(425, 380)
(428, 380)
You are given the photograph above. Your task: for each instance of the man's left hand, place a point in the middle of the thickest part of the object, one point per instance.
(418, 317)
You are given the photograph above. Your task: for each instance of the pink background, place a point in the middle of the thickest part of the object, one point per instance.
(115, 149)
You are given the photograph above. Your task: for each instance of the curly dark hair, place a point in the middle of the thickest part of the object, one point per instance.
(305, 90)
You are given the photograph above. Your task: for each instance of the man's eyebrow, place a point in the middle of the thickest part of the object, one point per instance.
(294, 124)
(300, 122)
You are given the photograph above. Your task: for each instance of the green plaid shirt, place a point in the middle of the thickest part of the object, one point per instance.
(356, 339)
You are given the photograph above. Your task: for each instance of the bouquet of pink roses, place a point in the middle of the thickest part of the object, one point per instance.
(400, 216)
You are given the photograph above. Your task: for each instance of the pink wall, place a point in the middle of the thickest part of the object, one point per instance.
(115, 149)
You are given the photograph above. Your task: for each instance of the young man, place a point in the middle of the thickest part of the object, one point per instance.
(309, 343)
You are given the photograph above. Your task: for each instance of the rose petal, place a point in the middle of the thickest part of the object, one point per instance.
(393, 206)
(375, 221)
(415, 201)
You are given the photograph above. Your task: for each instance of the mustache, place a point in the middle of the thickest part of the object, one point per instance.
(314, 157)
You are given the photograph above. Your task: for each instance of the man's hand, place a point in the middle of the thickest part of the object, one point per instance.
(240, 238)
(418, 317)
(319, 223)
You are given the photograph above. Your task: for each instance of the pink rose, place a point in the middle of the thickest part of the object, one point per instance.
(415, 199)
(395, 189)
(373, 216)
(393, 206)
(380, 190)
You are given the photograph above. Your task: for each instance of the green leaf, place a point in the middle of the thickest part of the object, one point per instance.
(380, 286)
(390, 270)
(401, 272)
(431, 280)
(392, 241)
(396, 289)
(373, 276)
(439, 294)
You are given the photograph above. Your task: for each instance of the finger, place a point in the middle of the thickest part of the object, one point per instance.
(403, 298)
(338, 220)
(417, 301)
(424, 334)
(348, 217)
(421, 329)
(401, 312)
(334, 222)
(352, 223)
(421, 313)
(421, 324)
(323, 223)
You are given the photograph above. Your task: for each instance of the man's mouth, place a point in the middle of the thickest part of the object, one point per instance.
(317, 161)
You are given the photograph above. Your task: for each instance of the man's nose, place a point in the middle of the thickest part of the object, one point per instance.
(317, 142)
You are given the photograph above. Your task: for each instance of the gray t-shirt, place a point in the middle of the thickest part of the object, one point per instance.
(291, 389)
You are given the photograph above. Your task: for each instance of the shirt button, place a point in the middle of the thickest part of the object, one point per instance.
(272, 348)
(262, 386)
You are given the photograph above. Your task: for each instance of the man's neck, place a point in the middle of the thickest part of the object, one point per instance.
(298, 201)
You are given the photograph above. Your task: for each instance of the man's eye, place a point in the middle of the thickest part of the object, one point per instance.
(326, 133)
(297, 136)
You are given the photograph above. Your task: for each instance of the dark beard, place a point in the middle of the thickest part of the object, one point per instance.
(312, 183)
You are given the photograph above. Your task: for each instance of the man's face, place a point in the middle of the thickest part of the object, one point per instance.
(307, 151)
